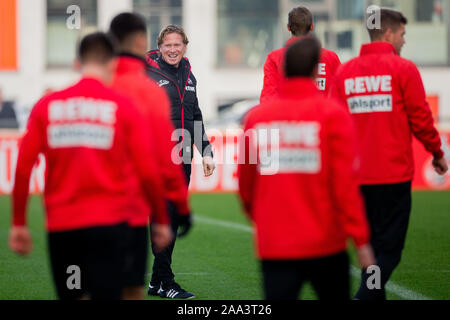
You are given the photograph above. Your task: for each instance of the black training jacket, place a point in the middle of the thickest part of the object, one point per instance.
(181, 87)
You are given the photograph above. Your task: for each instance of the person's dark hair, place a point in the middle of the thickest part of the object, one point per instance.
(390, 19)
(97, 48)
(300, 21)
(302, 57)
(127, 24)
(172, 29)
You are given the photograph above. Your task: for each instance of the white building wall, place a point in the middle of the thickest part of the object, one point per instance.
(108, 9)
(202, 49)
(216, 83)
(26, 83)
(437, 81)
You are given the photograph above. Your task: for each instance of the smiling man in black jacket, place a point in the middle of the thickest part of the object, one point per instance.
(172, 71)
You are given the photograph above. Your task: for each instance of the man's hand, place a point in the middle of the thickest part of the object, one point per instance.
(20, 240)
(366, 258)
(208, 166)
(184, 224)
(162, 236)
(440, 165)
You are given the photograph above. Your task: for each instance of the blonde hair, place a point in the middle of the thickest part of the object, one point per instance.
(172, 29)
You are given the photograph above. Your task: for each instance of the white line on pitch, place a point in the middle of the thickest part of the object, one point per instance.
(188, 273)
(394, 288)
(193, 273)
(355, 272)
(222, 223)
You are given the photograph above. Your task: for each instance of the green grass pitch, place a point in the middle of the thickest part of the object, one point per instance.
(216, 260)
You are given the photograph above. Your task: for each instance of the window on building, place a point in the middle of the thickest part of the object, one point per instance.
(350, 9)
(61, 40)
(426, 33)
(247, 32)
(159, 13)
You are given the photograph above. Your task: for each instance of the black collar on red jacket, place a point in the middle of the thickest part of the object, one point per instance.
(169, 67)
(179, 75)
(155, 60)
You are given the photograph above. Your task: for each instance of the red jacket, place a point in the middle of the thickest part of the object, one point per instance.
(91, 138)
(273, 71)
(131, 80)
(386, 98)
(310, 204)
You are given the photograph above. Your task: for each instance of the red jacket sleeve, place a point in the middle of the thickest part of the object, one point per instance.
(271, 79)
(334, 66)
(336, 63)
(347, 199)
(145, 162)
(336, 91)
(418, 110)
(30, 146)
(247, 171)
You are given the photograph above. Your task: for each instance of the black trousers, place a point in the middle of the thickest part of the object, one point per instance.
(162, 270)
(94, 257)
(388, 210)
(136, 257)
(329, 276)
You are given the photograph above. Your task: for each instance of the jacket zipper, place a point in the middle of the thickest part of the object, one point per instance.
(182, 103)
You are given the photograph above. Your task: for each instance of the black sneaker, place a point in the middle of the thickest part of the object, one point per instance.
(174, 291)
(154, 289)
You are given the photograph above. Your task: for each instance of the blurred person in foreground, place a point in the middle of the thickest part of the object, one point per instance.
(300, 25)
(131, 80)
(299, 187)
(92, 141)
(172, 71)
(386, 99)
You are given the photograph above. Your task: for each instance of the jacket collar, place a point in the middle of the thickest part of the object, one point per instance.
(90, 81)
(298, 87)
(293, 40)
(155, 60)
(128, 62)
(152, 58)
(164, 65)
(379, 47)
